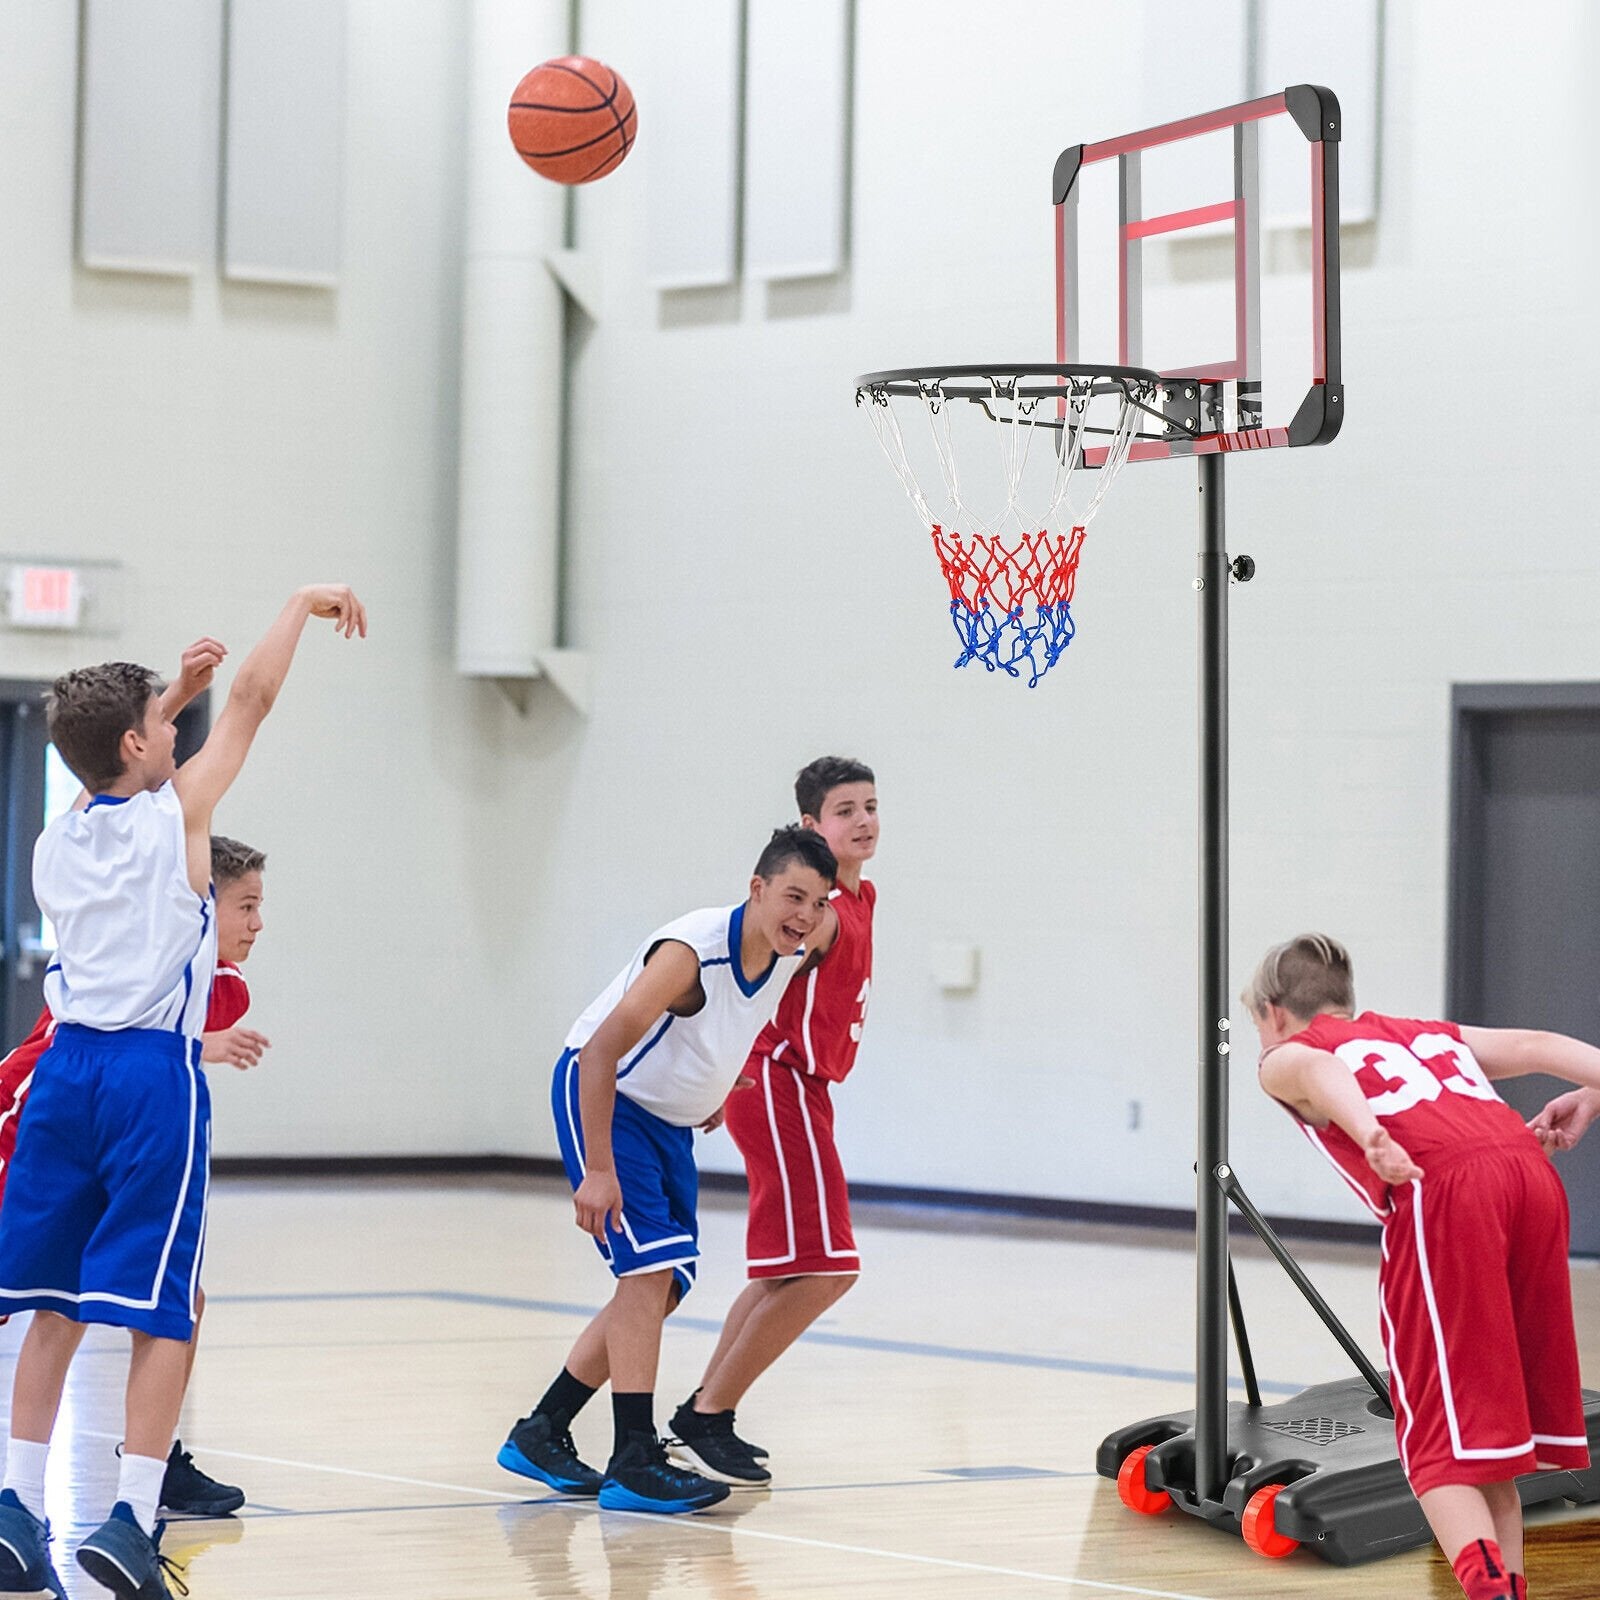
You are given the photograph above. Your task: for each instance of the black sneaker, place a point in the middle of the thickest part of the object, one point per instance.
(706, 1440)
(759, 1451)
(640, 1478)
(536, 1448)
(193, 1493)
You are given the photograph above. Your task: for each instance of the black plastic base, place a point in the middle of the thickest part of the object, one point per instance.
(1347, 1499)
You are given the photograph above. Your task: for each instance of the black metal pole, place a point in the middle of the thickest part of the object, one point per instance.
(1211, 1208)
(1241, 1340)
(1228, 1182)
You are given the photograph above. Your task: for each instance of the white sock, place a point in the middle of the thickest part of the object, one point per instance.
(139, 1483)
(25, 1473)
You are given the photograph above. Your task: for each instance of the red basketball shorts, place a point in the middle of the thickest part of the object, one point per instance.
(1475, 1302)
(799, 1205)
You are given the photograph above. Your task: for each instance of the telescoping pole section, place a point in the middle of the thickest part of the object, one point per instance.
(1211, 1206)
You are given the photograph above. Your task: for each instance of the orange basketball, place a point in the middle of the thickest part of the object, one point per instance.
(572, 119)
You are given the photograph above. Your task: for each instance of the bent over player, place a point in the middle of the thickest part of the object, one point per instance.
(800, 1252)
(104, 1212)
(1474, 1287)
(650, 1060)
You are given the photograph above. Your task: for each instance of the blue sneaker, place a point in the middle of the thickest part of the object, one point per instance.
(640, 1478)
(536, 1448)
(25, 1566)
(120, 1555)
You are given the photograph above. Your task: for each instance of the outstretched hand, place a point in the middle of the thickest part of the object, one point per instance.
(235, 1047)
(1565, 1120)
(338, 600)
(1389, 1159)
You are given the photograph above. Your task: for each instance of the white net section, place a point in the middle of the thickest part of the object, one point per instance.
(1007, 471)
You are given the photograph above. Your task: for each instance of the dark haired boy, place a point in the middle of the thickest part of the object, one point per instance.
(651, 1059)
(800, 1251)
(236, 873)
(105, 1204)
(1474, 1289)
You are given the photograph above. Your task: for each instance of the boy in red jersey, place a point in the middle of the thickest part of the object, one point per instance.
(1474, 1290)
(236, 870)
(801, 1253)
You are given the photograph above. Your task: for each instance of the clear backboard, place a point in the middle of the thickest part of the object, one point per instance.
(1208, 250)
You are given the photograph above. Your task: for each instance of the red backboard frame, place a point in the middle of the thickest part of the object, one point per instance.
(1315, 111)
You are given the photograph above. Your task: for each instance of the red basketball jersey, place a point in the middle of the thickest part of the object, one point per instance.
(16, 1077)
(230, 998)
(1423, 1084)
(819, 1020)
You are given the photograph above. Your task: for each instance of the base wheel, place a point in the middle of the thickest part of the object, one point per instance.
(1258, 1528)
(1131, 1487)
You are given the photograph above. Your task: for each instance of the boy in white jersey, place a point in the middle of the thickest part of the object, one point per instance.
(105, 1207)
(653, 1058)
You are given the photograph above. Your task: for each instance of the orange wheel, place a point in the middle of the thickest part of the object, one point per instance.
(1258, 1529)
(1131, 1487)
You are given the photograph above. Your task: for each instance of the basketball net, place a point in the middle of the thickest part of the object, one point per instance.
(1009, 551)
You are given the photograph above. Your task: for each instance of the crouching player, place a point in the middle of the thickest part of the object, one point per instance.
(650, 1060)
(1474, 1289)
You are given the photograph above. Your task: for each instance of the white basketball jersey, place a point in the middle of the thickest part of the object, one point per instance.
(136, 946)
(684, 1067)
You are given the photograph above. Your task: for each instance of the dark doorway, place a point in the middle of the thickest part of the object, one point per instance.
(1524, 935)
(34, 786)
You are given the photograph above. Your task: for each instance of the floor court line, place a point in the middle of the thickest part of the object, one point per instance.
(709, 1525)
(319, 1466)
(845, 1341)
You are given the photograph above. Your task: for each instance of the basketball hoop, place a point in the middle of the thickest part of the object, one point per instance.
(1009, 547)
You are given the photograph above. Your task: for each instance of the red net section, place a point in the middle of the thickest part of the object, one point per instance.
(1010, 603)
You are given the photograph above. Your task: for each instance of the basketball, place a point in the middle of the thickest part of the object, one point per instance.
(572, 119)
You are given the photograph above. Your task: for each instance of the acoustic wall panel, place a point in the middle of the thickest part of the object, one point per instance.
(284, 155)
(1340, 47)
(797, 123)
(689, 136)
(150, 92)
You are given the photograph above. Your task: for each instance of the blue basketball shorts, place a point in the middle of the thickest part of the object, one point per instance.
(105, 1211)
(659, 1181)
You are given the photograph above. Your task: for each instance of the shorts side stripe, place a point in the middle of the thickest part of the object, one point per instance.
(783, 1174)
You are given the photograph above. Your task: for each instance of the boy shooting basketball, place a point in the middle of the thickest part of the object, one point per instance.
(650, 1060)
(1474, 1287)
(800, 1252)
(105, 1207)
(236, 872)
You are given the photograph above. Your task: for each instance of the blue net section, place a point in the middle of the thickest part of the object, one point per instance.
(1010, 603)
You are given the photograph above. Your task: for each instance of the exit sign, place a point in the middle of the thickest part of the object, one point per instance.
(44, 597)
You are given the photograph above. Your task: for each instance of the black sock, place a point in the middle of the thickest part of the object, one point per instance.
(634, 1413)
(564, 1399)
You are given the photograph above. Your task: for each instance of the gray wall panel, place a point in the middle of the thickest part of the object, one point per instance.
(284, 159)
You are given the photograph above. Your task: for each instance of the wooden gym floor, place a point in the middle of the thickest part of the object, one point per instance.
(369, 1343)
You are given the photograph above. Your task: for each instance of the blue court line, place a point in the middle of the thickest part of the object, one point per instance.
(939, 1478)
(845, 1341)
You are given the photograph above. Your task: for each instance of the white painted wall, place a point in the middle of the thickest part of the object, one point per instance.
(451, 882)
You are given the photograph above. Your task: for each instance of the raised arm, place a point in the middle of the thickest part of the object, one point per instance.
(205, 777)
(1320, 1088)
(671, 977)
